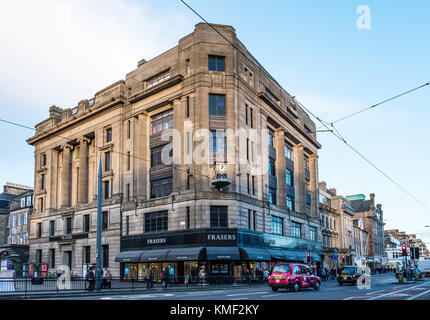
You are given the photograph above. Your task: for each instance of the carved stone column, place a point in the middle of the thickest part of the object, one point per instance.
(65, 177)
(83, 171)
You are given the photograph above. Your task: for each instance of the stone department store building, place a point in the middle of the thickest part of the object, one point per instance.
(220, 217)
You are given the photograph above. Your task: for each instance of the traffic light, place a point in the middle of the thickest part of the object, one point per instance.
(308, 256)
(404, 253)
(343, 257)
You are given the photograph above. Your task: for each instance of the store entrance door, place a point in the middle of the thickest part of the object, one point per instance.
(180, 272)
(220, 272)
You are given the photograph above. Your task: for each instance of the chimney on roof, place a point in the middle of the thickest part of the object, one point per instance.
(332, 191)
(322, 185)
(141, 63)
(372, 201)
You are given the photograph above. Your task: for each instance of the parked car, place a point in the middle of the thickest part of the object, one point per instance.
(293, 276)
(349, 274)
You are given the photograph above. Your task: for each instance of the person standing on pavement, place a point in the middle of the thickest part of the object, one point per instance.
(150, 279)
(108, 279)
(91, 279)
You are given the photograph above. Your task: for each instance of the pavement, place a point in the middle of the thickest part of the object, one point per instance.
(382, 287)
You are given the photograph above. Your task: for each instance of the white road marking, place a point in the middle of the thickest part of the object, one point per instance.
(390, 293)
(239, 298)
(248, 293)
(418, 295)
(375, 292)
(349, 298)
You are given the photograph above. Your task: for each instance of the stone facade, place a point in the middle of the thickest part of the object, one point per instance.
(119, 127)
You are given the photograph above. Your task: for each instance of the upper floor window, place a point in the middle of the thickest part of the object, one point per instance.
(156, 221)
(249, 77)
(287, 151)
(162, 121)
(272, 167)
(161, 187)
(306, 160)
(107, 161)
(42, 181)
(29, 200)
(277, 225)
(51, 228)
(218, 142)
(270, 137)
(22, 202)
(296, 230)
(216, 63)
(216, 105)
(43, 160)
(290, 203)
(272, 195)
(157, 79)
(39, 230)
(108, 134)
(87, 223)
(69, 226)
(312, 233)
(219, 216)
(105, 220)
(288, 177)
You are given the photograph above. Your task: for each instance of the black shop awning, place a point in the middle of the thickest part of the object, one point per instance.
(276, 254)
(222, 253)
(157, 255)
(129, 256)
(255, 254)
(186, 254)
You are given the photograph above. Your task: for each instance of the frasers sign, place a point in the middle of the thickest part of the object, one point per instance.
(156, 241)
(221, 237)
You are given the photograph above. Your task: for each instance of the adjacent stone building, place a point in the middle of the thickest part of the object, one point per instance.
(240, 189)
(373, 221)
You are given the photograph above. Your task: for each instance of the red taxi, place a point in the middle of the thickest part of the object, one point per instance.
(293, 276)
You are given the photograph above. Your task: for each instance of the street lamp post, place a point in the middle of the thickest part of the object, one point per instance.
(99, 228)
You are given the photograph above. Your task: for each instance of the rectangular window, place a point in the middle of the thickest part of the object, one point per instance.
(312, 233)
(247, 149)
(158, 79)
(39, 256)
(52, 228)
(296, 230)
(156, 156)
(128, 129)
(218, 141)
(29, 201)
(162, 121)
(249, 219)
(105, 256)
(127, 192)
(107, 161)
(306, 159)
(251, 117)
(254, 220)
(272, 167)
(108, 134)
(253, 185)
(216, 63)
(252, 151)
(69, 226)
(22, 202)
(287, 151)
(272, 195)
(219, 216)
(270, 137)
(161, 187)
(19, 218)
(42, 182)
(248, 183)
(52, 258)
(290, 203)
(106, 189)
(156, 221)
(128, 160)
(188, 179)
(86, 255)
(216, 105)
(26, 217)
(87, 223)
(246, 114)
(288, 177)
(188, 143)
(105, 220)
(43, 160)
(39, 230)
(188, 220)
(187, 112)
(41, 205)
(277, 225)
(127, 225)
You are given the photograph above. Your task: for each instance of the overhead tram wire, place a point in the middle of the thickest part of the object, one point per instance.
(377, 104)
(367, 160)
(98, 147)
(337, 134)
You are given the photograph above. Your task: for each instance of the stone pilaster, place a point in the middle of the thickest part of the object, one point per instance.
(83, 171)
(65, 177)
(280, 167)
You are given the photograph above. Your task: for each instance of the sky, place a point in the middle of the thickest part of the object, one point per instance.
(60, 52)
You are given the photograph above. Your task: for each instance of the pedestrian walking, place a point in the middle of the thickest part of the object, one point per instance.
(150, 279)
(165, 277)
(91, 279)
(108, 279)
